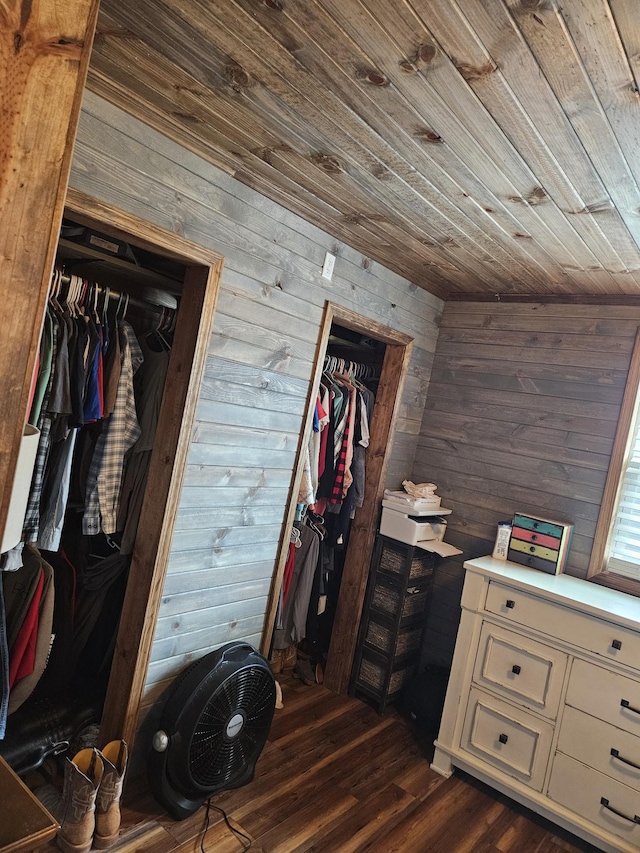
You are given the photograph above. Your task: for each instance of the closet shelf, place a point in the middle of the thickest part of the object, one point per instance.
(106, 269)
(342, 349)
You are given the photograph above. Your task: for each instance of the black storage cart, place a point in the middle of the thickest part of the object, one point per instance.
(393, 619)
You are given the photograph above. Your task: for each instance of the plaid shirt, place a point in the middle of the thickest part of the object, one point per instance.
(32, 516)
(336, 492)
(120, 433)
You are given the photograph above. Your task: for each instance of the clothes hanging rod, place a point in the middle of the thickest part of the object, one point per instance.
(133, 300)
(362, 370)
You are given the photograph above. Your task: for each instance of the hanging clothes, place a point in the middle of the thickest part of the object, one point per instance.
(294, 617)
(45, 356)
(27, 679)
(23, 653)
(121, 433)
(59, 670)
(19, 589)
(32, 517)
(29, 597)
(56, 492)
(332, 481)
(148, 390)
(345, 431)
(97, 412)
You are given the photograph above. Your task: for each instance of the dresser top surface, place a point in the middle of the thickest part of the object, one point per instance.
(562, 589)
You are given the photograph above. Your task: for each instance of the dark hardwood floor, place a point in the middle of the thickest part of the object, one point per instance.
(337, 778)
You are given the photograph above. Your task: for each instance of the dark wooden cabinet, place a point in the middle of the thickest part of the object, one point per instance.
(25, 824)
(396, 604)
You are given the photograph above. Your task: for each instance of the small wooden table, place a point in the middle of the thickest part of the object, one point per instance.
(25, 824)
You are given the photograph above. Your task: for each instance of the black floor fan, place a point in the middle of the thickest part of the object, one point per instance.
(214, 723)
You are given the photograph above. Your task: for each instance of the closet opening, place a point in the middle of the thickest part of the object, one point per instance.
(121, 357)
(320, 580)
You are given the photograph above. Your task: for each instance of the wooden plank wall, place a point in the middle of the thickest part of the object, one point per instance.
(520, 416)
(259, 366)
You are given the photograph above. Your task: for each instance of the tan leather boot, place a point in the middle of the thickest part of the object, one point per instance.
(114, 758)
(289, 657)
(82, 776)
(275, 661)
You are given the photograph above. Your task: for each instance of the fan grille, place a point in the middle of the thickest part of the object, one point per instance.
(214, 757)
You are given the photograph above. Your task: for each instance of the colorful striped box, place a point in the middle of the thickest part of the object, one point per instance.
(540, 543)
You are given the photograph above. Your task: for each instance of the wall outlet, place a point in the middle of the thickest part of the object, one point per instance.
(328, 265)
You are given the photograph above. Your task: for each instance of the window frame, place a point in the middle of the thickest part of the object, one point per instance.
(629, 412)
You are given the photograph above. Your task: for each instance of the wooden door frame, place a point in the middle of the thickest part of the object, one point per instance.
(168, 462)
(363, 528)
(46, 48)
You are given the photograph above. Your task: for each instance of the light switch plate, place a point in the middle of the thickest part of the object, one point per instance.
(327, 267)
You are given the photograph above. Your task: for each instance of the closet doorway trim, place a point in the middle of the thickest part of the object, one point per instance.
(363, 528)
(173, 437)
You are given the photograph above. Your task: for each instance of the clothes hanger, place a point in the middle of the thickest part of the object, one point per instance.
(316, 523)
(160, 329)
(118, 307)
(169, 317)
(352, 372)
(106, 296)
(330, 366)
(83, 297)
(54, 290)
(355, 376)
(94, 290)
(77, 296)
(86, 295)
(70, 299)
(342, 372)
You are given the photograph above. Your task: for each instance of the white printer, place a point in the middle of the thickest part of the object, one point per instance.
(412, 520)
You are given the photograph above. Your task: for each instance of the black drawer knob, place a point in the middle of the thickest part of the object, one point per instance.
(516, 669)
(510, 603)
(616, 644)
(503, 738)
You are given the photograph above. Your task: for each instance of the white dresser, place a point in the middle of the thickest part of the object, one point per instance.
(544, 698)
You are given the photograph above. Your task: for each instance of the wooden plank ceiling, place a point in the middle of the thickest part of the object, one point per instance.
(477, 147)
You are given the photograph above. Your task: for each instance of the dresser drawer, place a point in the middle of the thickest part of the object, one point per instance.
(535, 537)
(543, 552)
(605, 695)
(507, 737)
(532, 561)
(602, 746)
(520, 668)
(541, 526)
(583, 790)
(596, 635)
